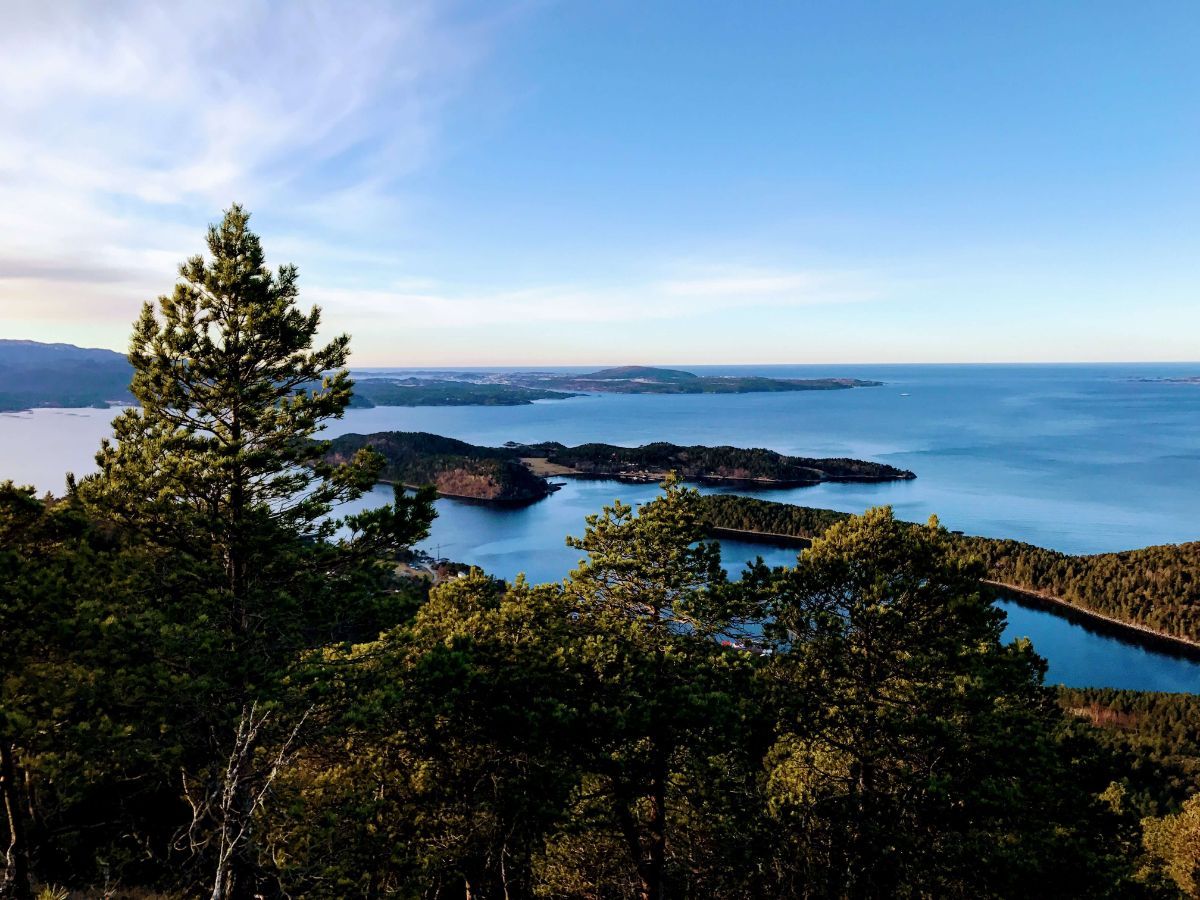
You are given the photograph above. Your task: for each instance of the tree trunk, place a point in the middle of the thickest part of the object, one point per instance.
(647, 842)
(15, 884)
(235, 811)
(656, 869)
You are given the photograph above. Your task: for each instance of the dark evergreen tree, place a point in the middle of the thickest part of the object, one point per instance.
(652, 598)
(219, 469)
(916, 754)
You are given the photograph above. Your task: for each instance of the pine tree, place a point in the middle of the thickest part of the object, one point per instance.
(916, 754)
(219, 468)
(652, 597)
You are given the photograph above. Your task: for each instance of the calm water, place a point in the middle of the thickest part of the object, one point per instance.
(1083, 459)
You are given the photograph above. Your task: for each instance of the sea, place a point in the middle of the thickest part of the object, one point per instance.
(1078, 458)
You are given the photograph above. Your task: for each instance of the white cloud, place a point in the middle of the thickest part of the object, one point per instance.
(431, 305)
(128, 125)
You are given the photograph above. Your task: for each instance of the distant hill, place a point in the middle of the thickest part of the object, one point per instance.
(34, 375)
(641, 373)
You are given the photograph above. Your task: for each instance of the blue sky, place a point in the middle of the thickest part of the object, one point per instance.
(620, 182)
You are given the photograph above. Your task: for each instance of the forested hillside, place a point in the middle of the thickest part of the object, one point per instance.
(217, 683)
(35, 375)
(1155, 587)
(1158, 734)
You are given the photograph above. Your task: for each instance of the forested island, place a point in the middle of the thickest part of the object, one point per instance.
(518, 472)
(757, 467)
(1153, 588)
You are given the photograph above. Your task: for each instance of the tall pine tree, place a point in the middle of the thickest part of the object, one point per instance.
(220, 469)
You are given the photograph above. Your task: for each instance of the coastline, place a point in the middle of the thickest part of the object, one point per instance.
(1139, 634)
(1130, 631)
(542, 467)
(468, 498)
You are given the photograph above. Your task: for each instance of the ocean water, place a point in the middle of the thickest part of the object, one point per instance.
(1080, 458)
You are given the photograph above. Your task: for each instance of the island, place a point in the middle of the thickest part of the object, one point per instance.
(521, 472)
(445, 388)
(33, 374)
(1178, 379)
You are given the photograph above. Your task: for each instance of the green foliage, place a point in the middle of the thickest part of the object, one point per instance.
(767, 517)
(1155, 735)
(1173, 845)
(218, 476)
(666, 696)
(1157, 588)
(611, 736)
(916, 754)
(86, 715)
(454, 467)
(450, 754)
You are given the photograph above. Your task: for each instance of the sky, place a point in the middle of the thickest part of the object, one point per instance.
(574, 183)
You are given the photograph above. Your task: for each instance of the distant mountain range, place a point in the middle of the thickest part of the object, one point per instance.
(36, 375)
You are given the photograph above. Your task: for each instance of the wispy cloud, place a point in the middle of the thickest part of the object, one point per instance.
(434, 305)
(127, 124)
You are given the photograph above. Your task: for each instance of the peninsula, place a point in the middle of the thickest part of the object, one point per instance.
(1151, 593)
(651, 380)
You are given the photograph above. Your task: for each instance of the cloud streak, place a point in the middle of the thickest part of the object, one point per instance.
(688, 296)
(127, 124)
